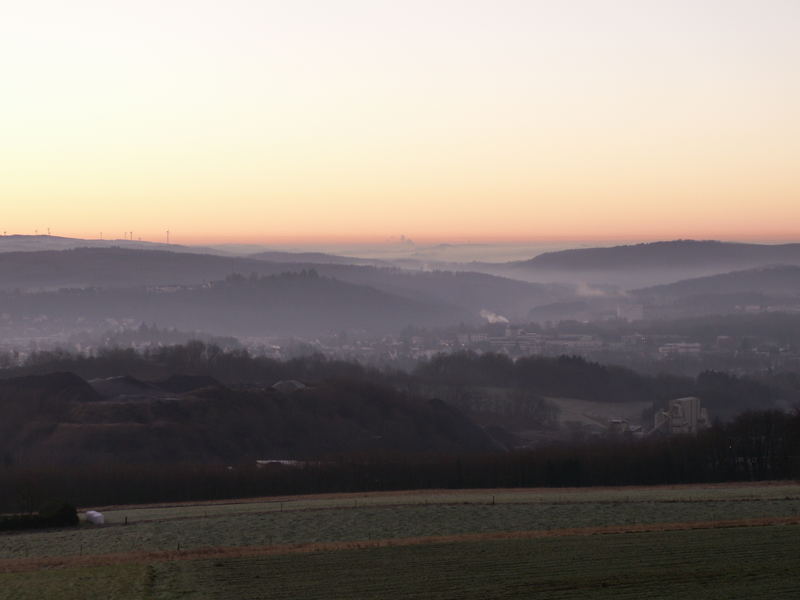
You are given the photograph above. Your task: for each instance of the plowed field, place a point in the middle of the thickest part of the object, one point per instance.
(690, 542)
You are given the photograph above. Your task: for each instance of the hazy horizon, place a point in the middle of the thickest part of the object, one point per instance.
(394, 248)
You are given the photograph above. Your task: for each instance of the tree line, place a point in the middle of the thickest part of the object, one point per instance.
(755, 446)
(725, 394)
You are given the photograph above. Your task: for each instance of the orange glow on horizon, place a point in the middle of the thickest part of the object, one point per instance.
(589, 237)
(503, 121)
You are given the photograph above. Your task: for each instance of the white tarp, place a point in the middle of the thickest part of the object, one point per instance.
(94, 517)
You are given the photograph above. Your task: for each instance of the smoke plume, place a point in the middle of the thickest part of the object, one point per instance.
(493, 317)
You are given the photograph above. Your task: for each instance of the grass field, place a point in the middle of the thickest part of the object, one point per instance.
(253, 558)
(757, 562)
(398, 515)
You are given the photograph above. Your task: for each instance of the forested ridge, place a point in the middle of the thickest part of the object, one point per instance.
(564, 376)
(166, 423)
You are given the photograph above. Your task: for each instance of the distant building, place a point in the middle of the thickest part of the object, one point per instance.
(635, 339)
(680, 348)
(682, 416)
(504, 345)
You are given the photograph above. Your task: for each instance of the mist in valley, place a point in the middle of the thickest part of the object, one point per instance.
(710, 308)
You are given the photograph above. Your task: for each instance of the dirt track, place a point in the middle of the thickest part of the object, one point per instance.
(33, 564)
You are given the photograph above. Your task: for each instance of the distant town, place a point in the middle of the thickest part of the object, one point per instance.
(627, 343)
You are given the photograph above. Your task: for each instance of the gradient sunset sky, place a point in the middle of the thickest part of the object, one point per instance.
(443, 120)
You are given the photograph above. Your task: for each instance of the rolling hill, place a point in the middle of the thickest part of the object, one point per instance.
(122, 268)
(667, 254)
(654, 263)
(320, 258)
(44, 425)
(41, 243)
(779, 280)
(288, 304)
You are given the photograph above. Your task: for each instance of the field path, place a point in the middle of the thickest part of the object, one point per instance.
(145, 557)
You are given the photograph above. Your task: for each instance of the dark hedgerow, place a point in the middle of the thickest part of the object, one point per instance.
(53, 513)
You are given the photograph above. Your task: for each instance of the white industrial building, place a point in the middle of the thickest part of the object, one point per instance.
(682, 416)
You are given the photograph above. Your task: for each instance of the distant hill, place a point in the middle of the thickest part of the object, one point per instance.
(222, 425)
(752, 290)
(655, 263)
(39, 243)
(473, 291)
(667, 254)
(319, 258)
(120, 267)
(287, 304)
(779, 280)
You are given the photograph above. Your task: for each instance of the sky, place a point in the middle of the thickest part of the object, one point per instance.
(441, 120)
